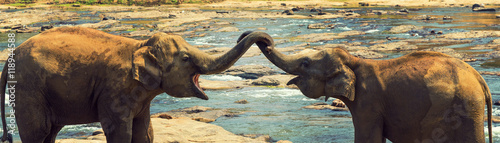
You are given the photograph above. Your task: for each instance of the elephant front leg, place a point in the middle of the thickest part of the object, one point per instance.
(368, 130)
(142, 128)
(117, 130)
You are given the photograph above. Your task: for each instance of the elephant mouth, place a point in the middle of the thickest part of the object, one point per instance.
(293, 81)
(200, 93)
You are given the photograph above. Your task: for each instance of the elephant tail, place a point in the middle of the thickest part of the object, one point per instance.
(488, 105)
(3, 82)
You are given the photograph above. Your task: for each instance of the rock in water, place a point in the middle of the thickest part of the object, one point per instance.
(242, 101)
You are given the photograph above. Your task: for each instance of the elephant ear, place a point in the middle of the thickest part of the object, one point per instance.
(341, 83)
(145, 67)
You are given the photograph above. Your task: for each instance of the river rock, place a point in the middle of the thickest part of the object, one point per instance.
(219, 85)
(424, 17)
(471, 34)
(496, 41)
(447, 17)
(287, 12)
(28, 30)
(180, 131)
(198, 113)
(46, 27)
(394, 46)
(120, 28)
(351, 33)
(447, 51)
(316, 37)
(228, 29)
(242, 101)
(404, 28)
(275, 80)
(249, 71)
(102, 24)
(139, 33)
(367, 54)
(316, 26)
(173, 29)
(324, 106)
(491, 55)
(338, 103)
(284, 141)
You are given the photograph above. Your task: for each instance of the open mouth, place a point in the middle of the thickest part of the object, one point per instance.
(201, 94)
(293, 81)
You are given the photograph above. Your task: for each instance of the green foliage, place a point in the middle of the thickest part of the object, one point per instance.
(119, 1)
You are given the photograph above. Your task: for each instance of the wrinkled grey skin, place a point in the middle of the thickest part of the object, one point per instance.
(419, 97)
(74, 75)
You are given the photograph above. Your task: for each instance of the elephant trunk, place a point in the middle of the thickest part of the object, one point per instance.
(213, 64)
(288, 64)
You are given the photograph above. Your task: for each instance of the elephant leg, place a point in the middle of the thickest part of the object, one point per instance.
(51, 138)
(116, 121)
(117, 130)
(32, 117)
(368, 130)
(142, 128)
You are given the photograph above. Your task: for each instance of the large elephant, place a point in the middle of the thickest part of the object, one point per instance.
(74, 75)
(420, 97)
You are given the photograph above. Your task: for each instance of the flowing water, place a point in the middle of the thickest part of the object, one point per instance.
(277, 111)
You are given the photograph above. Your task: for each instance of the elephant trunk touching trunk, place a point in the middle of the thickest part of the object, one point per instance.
(213, 64)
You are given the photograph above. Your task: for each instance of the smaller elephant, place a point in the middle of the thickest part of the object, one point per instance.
(419, 97)
(74, 75)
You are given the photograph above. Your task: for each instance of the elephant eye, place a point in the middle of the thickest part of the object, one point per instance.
(185, 58)
(305, 63)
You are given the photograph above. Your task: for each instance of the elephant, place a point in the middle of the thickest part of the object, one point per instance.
(419, 97)
(74, 75)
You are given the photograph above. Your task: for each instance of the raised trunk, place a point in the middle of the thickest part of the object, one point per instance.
(212, 64)
(288, 63)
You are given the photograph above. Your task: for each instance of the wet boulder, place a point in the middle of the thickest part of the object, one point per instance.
(394, 46)
(46, 27)
(274, 80)
(242, 101)
(404, 28)
(365, 54)
(316, 26)
(287, 12)
(447, 51)
(249, 71)
(228, 29)
(324, 106)
(424, 17)
(338, 103)
(447, 17)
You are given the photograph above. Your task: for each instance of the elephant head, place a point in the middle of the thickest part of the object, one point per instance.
(168, 62)
(321, 73)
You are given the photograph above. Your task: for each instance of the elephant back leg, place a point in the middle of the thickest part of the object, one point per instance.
(32, 116)
(51, 138)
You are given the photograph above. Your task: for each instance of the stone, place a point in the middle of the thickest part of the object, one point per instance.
(101, 24)
(324, 106)
(368, 54)
(197, 113)
(180, 131)
(491, 55)
(471, 34)
(338, 103)
(351, 33)
(404, 28)
(120, 28)
(46, 27)
(287, 12)
(447, 17)
(447, 51)
(173, 29)
(284, 141)
(242, 101)
(228, 29)
(394, 46)
(275, 80)
(316, 26)
(424, 17)
(220, 85)
(249, 71)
